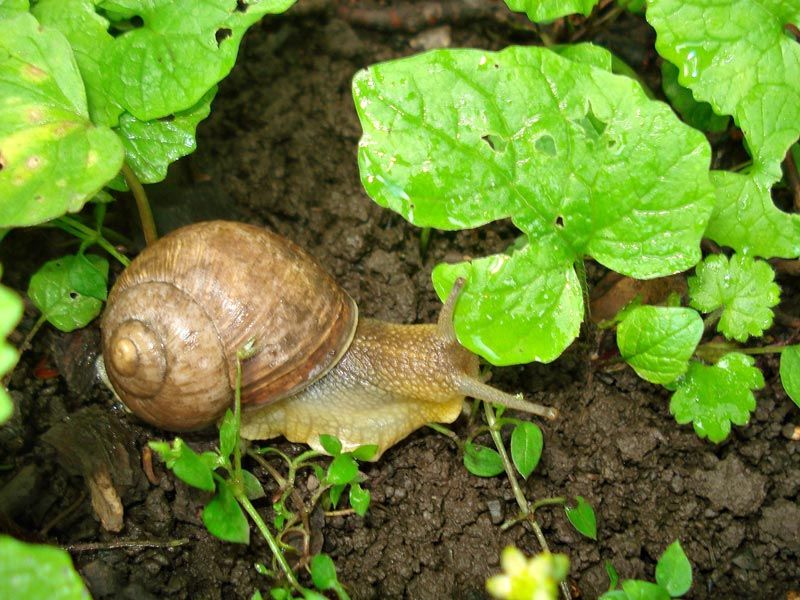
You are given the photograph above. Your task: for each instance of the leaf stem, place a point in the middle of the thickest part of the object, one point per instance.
(547, 502)
(142, 204)
(79, 230)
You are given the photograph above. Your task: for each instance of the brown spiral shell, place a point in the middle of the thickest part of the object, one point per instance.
(177, 316)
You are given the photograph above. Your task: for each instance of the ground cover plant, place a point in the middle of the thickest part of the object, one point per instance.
(481, 172)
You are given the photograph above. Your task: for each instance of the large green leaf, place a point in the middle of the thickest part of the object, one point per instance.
(699, 115)
(658, 341)
(738, 56)
(182, 49)
(580, 160)
(35, 572)
(547, 10)
(52, 158)
(87, 33)
(746, 219)
(713, 397)
(11, 8)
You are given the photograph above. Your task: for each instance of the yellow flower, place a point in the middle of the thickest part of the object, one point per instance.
(528, 579)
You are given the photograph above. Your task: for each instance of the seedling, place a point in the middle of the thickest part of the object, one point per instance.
(235, 488)
(673, 579)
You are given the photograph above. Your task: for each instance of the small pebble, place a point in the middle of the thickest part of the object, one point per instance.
(495, 511)
(312, 483)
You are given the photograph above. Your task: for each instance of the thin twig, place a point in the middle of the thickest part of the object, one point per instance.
(117, 544)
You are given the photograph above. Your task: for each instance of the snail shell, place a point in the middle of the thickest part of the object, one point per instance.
(178, 315)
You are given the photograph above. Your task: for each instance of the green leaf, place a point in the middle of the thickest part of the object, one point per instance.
(257, 595)
(673, 570)
(743, 287)
(228, 434)
(330, 444)
(699, 115)
(790, 372)
(526, 447)
(643, 590)
(582, 518)
(10, 315)
(223, 517)
(87, 33)
(151, 146)
(52, 158)
(482, 461)
(323, 572)
(342, 470)
(335, 493)
(580, 159)
(548, 10)
(359, 499)
(70, 290)
(312, 595)
(737, 55)
(185, 463)
(712, 398)
(169, 63)
(634, 6)
(252, 486)
(614, 595)
(746, 219)
(365, 452)
(613, 576)
(658, 341)
(11, 8)
(37, 572)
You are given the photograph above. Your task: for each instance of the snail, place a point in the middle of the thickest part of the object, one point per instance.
(178, 315)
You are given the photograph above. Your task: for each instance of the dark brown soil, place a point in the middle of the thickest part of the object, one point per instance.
(280, 150)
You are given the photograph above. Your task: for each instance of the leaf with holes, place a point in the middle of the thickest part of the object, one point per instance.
(547, 10)
(713, 397)
(579, 158)
(746, 219)
(658, 341)
(168, 64)
(151, 146)
(87, 33)
(70, 290)
(738, 56)
(52, 158)
(743, 287)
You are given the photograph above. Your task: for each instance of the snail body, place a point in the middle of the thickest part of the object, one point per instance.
(178, 315)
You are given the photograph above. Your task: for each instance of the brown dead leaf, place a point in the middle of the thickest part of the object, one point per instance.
(614, 292)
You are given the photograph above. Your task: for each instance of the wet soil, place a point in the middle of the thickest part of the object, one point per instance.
(280, 150)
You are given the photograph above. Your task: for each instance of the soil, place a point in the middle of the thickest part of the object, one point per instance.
(279, 149)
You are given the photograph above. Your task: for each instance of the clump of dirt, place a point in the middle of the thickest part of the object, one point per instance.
(280, 149)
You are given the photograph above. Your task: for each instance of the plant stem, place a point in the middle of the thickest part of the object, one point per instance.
(711, 319)
(271, 541)
(142, 204)
(32, 333)
(81, 231)
(519, 495)
(237, 415)
(509, 468)
(446, 432)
